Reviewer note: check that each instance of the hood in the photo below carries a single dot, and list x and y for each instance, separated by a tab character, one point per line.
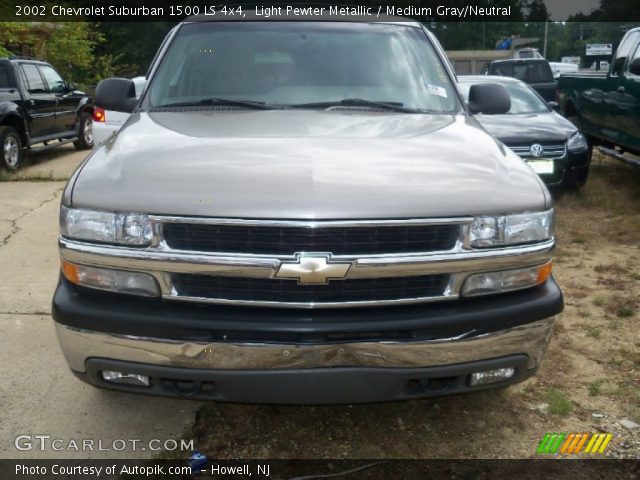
305	164
528	128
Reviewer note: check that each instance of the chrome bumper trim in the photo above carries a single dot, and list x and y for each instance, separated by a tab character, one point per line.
176	261
531	339
161	262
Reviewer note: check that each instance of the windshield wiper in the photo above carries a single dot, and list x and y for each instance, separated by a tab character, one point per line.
216	101
359	102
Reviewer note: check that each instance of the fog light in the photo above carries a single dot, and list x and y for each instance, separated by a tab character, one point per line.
126	378
113	280
492	376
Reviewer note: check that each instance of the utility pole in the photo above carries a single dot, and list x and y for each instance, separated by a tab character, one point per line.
546	35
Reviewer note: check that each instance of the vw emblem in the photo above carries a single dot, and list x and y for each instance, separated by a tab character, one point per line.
536	150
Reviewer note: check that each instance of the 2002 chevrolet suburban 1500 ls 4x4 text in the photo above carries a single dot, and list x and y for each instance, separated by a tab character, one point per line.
304	212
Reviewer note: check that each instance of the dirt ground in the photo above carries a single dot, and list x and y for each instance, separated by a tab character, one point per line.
589	381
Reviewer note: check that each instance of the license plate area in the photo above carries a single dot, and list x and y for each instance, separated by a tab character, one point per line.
541	166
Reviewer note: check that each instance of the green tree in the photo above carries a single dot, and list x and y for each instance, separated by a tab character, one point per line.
67	46
132	51
537	11
70	49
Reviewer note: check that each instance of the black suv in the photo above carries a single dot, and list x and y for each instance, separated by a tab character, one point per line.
38	106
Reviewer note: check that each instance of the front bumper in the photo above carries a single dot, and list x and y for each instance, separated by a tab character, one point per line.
305	374
572	167
258	356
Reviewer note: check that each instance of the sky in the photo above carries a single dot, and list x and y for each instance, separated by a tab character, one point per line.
561	9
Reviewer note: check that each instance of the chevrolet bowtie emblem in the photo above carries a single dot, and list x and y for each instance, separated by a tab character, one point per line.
313	269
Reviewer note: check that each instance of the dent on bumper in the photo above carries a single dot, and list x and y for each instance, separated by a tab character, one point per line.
80	345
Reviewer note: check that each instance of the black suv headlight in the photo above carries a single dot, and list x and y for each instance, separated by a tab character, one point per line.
577	143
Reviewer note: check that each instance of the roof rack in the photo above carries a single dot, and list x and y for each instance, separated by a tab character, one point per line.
21	57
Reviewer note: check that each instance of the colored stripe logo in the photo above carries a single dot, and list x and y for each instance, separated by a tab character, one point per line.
574	443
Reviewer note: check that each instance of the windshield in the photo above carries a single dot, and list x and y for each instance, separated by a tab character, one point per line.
297	63
523	98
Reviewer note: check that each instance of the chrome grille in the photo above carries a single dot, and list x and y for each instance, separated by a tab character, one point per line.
407	261
551	150
338	240
288	291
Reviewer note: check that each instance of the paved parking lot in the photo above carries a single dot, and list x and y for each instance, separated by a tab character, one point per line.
39	395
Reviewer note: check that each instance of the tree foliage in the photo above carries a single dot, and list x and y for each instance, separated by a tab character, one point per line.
85	52
67	46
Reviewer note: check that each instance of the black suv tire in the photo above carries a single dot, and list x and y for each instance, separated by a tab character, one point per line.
11	149
85	134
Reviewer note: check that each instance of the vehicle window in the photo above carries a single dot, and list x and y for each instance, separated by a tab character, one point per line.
523	98
5	76
520	71
35	84
288	63
509	70
54	81
529	72
624	49
540	72
636	55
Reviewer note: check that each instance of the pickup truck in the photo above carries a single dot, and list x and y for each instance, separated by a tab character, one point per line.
534	71
472	62
606	106
304	212
38	107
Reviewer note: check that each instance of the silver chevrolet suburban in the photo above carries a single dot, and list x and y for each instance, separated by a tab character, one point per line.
304	212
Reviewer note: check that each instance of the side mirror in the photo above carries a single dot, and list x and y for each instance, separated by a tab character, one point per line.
634	67
71	86
554	105
117	94
489	98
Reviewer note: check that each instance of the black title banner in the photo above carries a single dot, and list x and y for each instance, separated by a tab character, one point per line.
318	469
365	10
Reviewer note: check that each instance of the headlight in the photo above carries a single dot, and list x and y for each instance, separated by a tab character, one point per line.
503	230
97	226
577	143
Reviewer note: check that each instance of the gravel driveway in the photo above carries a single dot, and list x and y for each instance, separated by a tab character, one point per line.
39	394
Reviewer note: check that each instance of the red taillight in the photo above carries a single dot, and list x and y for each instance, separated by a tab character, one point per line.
98	115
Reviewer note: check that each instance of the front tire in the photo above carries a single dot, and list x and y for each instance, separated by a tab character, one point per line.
12	154
85	135
575	180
